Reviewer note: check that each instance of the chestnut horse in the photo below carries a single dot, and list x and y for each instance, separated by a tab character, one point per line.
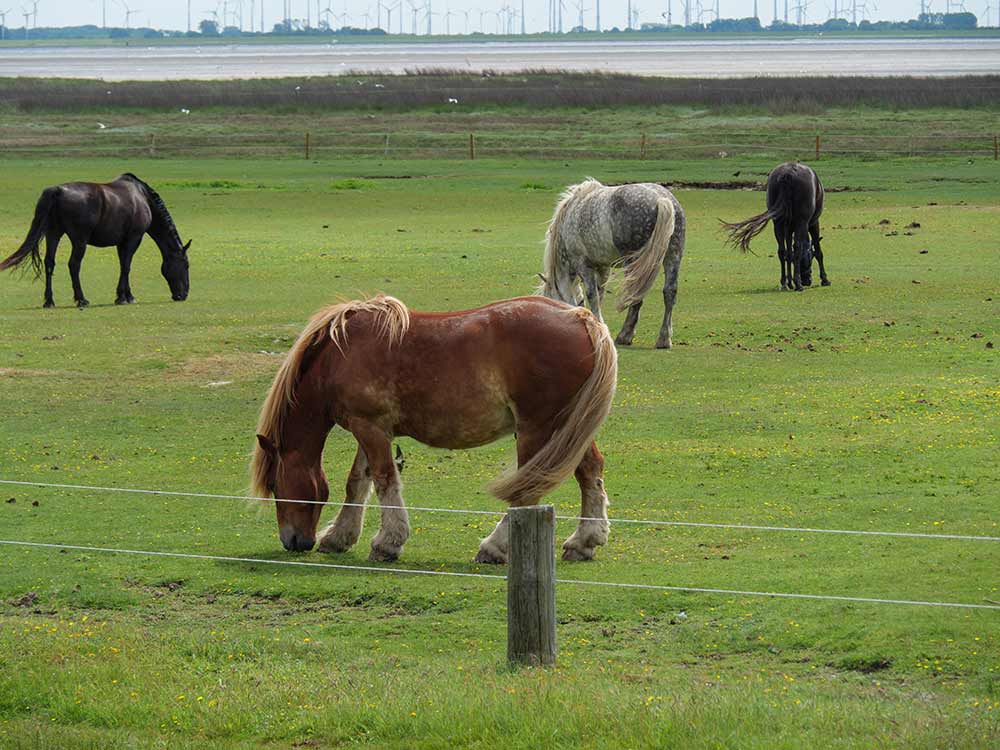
537	368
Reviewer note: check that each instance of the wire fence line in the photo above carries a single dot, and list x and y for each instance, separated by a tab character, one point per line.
497	513
412	144
496	577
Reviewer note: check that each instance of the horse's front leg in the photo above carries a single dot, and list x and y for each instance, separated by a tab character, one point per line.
592	530
818	253
345	530
593	284
126	251
394	529
75	261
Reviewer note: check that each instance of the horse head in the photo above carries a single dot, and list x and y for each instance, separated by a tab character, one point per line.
175	271
287	480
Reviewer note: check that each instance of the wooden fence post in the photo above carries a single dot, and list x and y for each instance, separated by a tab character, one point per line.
472	145
642	147
307	145
817	145
531	586
385	149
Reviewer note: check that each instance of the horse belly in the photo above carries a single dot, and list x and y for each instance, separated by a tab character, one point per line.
463	413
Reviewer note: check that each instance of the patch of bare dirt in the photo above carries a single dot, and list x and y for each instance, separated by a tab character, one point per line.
223	369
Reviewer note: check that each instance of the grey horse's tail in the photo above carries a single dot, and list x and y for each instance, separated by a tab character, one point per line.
39	225
641	268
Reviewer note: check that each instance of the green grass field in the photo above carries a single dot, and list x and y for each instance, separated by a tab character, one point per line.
871	404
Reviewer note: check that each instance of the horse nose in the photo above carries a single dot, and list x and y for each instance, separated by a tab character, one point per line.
293	541
180	297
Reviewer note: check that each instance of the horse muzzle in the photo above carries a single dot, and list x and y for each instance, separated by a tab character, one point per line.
180	297
293	541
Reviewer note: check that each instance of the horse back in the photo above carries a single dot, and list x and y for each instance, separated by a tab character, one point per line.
459	379
101	214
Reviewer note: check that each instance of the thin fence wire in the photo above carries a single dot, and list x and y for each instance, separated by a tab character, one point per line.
495	577
495	513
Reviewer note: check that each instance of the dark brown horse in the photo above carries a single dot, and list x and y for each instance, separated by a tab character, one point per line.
794	204
117	213
532	366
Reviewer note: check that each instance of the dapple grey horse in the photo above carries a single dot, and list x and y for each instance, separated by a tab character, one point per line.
595	227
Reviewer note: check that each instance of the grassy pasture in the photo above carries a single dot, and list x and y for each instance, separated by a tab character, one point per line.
871	404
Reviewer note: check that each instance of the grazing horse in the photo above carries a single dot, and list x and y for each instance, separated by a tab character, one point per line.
596	227
530	366
116	213
794	204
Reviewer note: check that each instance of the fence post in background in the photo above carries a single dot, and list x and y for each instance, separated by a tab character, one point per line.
996	147
817	145
531	586
385	147
472	145
642	147
307	145
152	145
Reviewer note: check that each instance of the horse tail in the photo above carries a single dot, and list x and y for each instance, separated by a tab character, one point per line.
584	415
641	268
741	232
39	225
391	321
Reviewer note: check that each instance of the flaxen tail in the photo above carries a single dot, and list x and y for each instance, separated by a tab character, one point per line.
560	456
39	225
641	268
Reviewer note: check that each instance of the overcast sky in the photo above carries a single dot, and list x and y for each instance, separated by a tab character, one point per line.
172	14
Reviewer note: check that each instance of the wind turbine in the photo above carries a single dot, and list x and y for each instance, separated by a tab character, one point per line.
448	13
415	11
579	13
3	23
986	13
634	15
27	17
34	13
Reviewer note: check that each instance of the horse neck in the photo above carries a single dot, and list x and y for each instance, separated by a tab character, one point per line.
306	424
164	239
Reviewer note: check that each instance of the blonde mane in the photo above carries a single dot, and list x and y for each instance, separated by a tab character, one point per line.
550	260
391	320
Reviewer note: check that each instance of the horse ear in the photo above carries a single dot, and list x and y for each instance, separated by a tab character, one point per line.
266	445
185	248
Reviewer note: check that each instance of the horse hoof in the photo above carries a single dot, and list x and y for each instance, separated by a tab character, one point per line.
490	557
82	303
825	282
623	341
381	554
664	345
572	554
49	303
121	301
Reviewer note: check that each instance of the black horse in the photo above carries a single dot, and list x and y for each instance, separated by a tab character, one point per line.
117	213
794	203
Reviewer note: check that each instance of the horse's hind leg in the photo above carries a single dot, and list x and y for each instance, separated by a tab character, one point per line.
345	530
671	272
493	549
627	333
817	253
51	245
592	531
394	528
75	260
779	235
